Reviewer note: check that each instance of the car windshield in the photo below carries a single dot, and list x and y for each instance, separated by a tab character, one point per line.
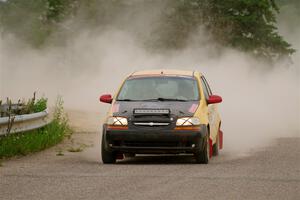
162	88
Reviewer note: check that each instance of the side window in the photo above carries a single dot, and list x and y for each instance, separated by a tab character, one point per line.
207	86
204	88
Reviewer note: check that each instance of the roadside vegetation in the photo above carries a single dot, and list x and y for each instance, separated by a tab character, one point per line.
36	140
23	107
246	25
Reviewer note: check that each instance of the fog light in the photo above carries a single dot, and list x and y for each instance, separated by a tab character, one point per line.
193	145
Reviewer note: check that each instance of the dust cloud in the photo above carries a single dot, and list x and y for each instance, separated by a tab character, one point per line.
259	103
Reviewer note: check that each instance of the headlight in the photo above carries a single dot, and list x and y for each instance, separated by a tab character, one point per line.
117	121
188	121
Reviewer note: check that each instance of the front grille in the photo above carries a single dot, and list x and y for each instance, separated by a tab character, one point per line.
150	124
151	121
151	118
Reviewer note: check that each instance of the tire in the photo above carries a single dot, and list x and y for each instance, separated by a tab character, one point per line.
203	155
216	146
107	156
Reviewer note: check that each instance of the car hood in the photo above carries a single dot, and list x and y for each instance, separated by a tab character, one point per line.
177	108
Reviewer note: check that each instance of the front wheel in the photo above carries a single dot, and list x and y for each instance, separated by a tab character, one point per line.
203	155
107	156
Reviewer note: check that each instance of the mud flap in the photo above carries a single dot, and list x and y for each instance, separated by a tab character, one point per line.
210	148
220	139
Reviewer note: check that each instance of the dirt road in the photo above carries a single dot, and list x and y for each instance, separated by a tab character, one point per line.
272	173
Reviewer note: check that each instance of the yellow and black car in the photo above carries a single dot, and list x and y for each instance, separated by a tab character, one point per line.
163	112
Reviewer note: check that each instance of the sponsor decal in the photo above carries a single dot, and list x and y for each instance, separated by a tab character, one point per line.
193	108
115	108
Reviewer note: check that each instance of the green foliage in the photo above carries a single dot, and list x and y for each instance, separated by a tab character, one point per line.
40	105
38	139
247	25
33	20
251	27
32	141
60	118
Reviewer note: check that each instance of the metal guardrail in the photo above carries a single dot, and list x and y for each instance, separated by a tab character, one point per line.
21	123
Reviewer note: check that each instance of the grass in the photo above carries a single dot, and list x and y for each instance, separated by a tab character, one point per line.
38	139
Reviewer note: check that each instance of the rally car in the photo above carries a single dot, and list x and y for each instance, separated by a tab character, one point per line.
162	112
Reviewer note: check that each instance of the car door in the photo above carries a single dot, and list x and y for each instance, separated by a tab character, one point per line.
212	114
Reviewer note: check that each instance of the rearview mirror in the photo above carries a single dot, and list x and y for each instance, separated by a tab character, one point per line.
214	99
106	98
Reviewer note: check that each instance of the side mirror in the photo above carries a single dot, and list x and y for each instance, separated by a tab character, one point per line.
214	99
106	98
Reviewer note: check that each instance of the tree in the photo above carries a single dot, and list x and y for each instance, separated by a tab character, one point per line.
33	20
248	25
251	27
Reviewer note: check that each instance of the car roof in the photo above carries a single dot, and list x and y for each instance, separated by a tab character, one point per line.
166	72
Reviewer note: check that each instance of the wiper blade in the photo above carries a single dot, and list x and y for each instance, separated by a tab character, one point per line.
164	99
125	100
155	99
170	99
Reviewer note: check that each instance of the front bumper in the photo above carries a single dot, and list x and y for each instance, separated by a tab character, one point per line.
154	141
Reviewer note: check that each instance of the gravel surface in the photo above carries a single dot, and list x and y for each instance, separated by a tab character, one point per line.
273	173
